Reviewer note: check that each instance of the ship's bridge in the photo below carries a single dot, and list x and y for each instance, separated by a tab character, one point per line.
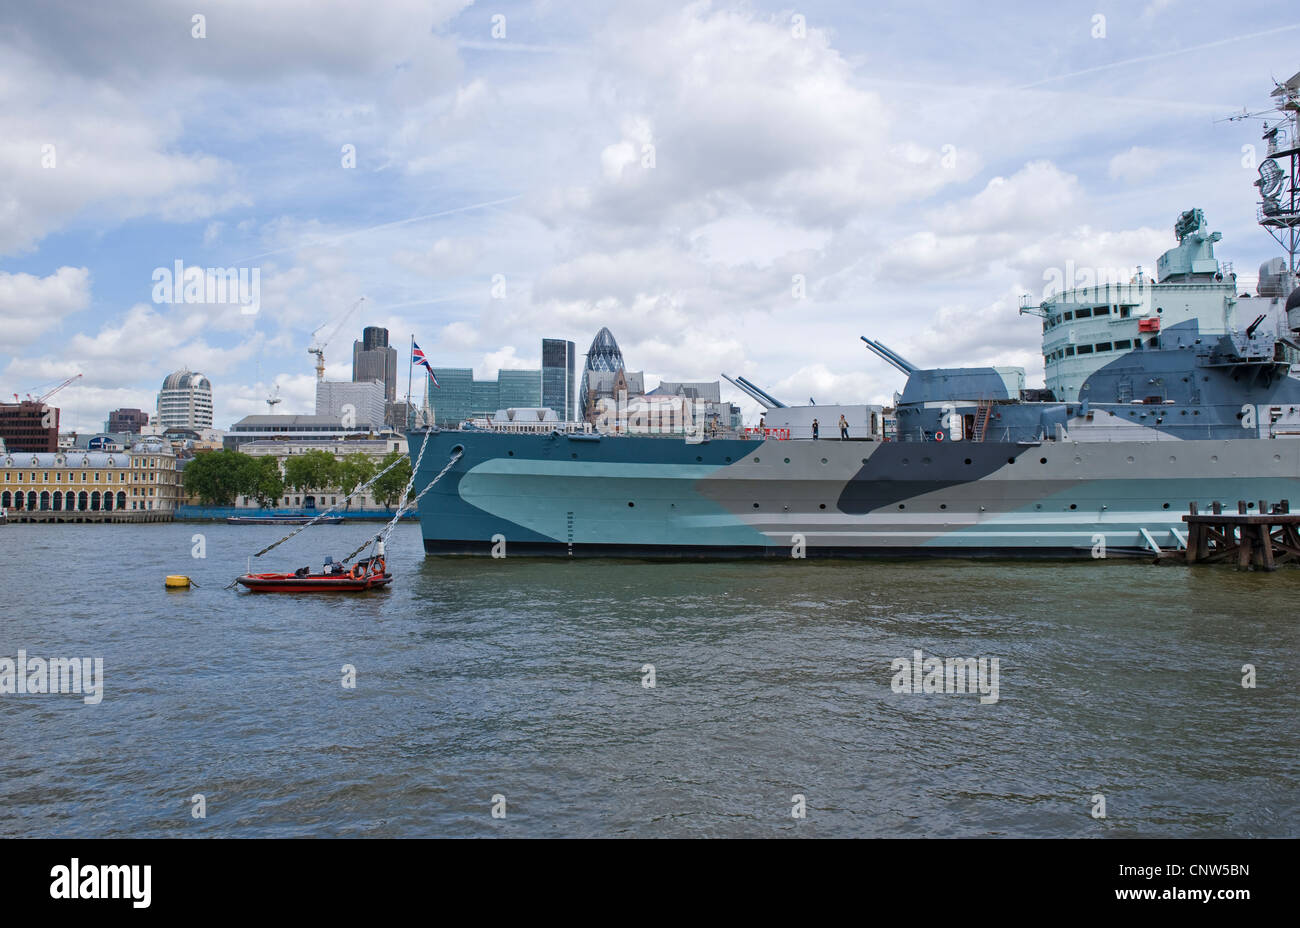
1088	326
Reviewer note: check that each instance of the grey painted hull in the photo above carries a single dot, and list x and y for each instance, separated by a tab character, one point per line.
660	497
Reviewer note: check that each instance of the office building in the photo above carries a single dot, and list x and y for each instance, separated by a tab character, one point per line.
126	420
363	401
185	401
373	359
29	426
558	391
459	397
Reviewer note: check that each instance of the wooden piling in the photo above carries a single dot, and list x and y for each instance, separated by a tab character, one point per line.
1261	540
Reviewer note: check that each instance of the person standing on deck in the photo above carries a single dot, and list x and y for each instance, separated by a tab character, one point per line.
844	428
814	427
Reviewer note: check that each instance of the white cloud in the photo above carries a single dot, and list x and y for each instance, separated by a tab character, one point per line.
31	306
743	115
1136	165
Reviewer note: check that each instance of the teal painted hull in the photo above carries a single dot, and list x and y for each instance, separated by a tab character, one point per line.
661	497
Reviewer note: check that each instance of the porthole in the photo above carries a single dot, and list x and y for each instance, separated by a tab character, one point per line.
727	459
1214	459
756	505
1011	460
901	506
822	506
1129	459
943	505
968	460
904	462
1172	459
1277	458
864	460
1165	506
510	453
755	460
1042	460
787	460
573	455
823	460
698	458
1074	506
631	505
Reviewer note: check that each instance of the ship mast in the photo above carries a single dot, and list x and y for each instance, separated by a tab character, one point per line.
1279	175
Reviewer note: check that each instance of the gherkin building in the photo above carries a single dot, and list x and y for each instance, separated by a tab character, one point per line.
603	355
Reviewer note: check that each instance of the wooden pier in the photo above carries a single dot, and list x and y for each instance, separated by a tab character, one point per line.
1261	539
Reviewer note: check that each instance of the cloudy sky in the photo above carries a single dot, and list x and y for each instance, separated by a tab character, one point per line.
729	187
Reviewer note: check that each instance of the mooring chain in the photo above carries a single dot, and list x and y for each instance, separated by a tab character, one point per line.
404	508
359	489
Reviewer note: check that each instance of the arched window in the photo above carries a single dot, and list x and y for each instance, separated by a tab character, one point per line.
31	499
94	501
5	500
108	501
121	499
45	500
83	500
57	503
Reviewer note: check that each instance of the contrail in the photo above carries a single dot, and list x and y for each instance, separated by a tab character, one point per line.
498	46
386	225
1180	51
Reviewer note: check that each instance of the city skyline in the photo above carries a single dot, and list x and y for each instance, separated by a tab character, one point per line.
750	196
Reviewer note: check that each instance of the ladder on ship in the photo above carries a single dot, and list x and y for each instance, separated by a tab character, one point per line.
982	415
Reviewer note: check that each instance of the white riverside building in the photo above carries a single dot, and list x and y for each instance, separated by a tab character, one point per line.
300	428
376	448
185	401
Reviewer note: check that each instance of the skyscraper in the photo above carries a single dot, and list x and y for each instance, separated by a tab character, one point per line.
603	355
372	359
557	377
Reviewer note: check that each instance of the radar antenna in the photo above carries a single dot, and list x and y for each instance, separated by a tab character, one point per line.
1279	172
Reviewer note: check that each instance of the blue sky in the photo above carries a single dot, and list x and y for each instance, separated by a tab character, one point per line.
668	171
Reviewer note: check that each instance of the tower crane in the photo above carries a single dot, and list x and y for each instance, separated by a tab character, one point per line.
49	393
318	345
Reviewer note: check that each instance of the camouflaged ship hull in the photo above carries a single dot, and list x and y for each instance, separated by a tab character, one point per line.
568	496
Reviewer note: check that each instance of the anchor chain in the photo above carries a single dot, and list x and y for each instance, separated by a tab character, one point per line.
405	507
344	502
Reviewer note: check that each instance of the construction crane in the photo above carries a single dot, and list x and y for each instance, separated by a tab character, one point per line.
318	345
48	393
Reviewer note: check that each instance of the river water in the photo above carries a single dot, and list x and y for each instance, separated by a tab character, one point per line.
524	680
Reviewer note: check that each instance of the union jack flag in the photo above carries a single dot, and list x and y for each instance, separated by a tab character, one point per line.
417	357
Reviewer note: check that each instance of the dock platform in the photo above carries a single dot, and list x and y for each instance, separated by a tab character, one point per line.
1262	539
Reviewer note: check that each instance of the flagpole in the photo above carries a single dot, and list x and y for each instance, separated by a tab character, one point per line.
410	366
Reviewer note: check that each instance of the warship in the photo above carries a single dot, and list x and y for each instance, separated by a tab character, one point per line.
1160	392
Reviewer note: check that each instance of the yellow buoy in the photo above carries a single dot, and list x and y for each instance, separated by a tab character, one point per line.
176	582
